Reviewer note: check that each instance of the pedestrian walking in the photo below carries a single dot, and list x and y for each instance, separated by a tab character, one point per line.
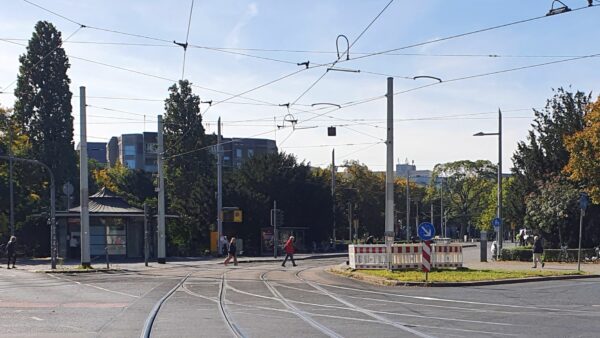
494	249
538	250
223	244
232	253
289	251
11	251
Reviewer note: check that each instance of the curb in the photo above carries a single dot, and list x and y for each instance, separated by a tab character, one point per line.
390	282
77	271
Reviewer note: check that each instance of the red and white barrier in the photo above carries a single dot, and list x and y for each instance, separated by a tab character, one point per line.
426	261
404	256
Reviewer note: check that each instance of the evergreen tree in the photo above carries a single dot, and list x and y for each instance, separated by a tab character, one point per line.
43	103
189	171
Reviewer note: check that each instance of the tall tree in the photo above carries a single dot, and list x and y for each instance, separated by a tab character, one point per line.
43	102
584	147
189	170
468	184
544	153
539	161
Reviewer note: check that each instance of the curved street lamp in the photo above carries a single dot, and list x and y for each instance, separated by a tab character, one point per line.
500	235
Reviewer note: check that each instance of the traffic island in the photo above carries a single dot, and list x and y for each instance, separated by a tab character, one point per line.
454	277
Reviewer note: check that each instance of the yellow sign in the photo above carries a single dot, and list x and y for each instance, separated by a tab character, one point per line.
237	216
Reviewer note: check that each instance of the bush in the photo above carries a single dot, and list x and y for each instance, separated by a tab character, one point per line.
520	253
524	254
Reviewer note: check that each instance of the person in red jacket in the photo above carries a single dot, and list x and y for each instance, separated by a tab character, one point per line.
289	251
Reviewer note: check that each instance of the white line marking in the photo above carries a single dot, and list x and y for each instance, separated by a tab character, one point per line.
455	301
301	314
367	312
94	286
36	318
371	320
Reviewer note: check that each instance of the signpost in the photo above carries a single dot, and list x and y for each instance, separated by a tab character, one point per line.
426	232
496	223
583	204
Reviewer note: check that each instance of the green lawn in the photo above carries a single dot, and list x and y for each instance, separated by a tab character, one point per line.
461	275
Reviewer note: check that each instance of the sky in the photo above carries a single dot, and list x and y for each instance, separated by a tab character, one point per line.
237	46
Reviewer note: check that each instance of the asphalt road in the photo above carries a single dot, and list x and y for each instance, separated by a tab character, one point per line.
266	300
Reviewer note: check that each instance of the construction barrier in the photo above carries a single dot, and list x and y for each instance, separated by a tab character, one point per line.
403	256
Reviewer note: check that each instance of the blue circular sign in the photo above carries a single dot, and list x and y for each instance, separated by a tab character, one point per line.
426	231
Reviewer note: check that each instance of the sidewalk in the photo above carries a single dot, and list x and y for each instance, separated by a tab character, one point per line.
472	260
43	264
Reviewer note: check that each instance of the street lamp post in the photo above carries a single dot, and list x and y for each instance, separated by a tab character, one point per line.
500	236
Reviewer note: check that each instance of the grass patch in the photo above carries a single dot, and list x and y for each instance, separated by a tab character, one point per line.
462	275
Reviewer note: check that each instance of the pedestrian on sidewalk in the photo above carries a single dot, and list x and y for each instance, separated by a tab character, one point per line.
232	253
494	249
11	252
538	250
289	251
223	245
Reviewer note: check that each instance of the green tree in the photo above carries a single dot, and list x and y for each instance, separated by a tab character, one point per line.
552	209
539	162
43	103
467	186
189	171
303	196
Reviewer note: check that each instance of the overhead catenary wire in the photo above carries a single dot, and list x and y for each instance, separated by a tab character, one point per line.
312	85
460	35
187	35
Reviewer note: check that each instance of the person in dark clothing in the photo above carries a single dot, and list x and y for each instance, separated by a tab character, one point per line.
538	250
11	251
370	240
232	253
289	251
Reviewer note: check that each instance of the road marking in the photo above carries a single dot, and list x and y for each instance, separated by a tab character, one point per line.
456	301
36	318
353	319
365	311
301	314
94	286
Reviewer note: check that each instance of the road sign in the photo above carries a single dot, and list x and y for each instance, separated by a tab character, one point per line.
237	216
496	223
426	231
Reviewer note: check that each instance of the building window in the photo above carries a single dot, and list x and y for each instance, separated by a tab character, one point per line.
129	150
250	153
130	164
152	148
238	153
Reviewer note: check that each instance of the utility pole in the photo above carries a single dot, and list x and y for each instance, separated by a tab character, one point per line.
10	177
83	183
389	172
431	213
275	239
333	172
219	188
407	203
501	228
161	252
442	229
350	221
146	246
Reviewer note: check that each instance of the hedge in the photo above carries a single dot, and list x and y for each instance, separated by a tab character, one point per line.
524	254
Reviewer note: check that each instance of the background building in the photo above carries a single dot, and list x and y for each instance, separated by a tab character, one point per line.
237	150
95	151
135	151
421	177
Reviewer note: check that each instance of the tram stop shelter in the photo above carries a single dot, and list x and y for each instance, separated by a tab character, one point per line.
114	225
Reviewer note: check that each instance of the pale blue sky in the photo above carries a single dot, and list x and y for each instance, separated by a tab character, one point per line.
313	26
